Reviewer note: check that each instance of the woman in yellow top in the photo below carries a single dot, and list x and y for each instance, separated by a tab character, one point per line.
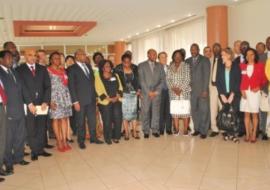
109	91
267	71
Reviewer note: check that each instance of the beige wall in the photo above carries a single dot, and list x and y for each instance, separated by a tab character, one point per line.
249	21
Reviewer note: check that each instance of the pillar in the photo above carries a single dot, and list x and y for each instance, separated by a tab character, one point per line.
119	49
217	25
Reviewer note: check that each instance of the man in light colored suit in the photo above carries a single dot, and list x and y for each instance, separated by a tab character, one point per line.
151	78
215	61
200	72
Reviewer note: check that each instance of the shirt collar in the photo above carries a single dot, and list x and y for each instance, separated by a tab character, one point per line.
31	65
4	68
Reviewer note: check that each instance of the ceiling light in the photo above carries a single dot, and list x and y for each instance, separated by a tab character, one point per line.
158	26
172	21
137	33
129	37
189	15
147	30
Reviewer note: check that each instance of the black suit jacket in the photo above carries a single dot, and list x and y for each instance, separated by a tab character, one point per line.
16	93
38	86
235	80
81	87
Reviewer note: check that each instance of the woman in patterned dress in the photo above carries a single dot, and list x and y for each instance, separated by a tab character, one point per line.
61	106
178	80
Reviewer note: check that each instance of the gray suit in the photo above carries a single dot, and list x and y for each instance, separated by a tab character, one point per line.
200	111
151	81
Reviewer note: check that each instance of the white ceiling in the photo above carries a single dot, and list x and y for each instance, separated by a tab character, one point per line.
116	19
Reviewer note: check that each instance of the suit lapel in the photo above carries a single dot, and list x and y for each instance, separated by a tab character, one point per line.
81	70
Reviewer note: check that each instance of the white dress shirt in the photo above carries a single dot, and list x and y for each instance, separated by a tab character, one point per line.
83	67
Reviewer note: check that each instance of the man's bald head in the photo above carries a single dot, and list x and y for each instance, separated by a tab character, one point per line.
30	56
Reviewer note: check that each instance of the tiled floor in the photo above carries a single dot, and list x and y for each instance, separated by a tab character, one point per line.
173	163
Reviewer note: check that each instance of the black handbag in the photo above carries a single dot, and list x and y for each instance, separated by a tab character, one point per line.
227	119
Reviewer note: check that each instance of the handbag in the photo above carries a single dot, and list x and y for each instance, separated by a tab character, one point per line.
264	102
227	119
180	107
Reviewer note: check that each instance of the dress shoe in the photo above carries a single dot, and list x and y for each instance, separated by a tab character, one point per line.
45	154
34	157
264	137
196	133
161	132
116	141
146	136
49	146
169	132
82	146
156	135
203	136
9	170
96	141
23	163
3	172
70	140
109	142
213	134
2	179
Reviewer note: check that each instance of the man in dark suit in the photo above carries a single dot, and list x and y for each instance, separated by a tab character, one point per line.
15	118
11	46
200	72
263	57
83	95
3	103
37	82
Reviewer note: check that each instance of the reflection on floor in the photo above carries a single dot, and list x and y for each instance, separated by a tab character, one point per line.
169	162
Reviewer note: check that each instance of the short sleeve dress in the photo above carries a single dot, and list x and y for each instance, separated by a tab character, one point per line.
60	94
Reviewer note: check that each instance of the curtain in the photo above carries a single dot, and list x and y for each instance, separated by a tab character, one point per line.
168	40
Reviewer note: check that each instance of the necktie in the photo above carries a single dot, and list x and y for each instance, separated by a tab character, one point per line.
214	71
33	70
194	60
152	64
85	70
3	94
11	75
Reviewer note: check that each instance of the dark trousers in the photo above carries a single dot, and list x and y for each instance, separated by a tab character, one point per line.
263	121
15	138
89	112
72	122
36	132
112	120
165	116
200	110
2	134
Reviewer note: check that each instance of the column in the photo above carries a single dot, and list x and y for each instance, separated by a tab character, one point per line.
217	25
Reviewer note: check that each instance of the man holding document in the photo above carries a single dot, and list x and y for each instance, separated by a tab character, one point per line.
37	83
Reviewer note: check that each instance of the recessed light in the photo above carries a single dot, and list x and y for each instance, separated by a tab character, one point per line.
189	15
172	21
147	30
129	37
137	33
158	26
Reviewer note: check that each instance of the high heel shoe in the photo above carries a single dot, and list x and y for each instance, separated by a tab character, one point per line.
61	149
67	147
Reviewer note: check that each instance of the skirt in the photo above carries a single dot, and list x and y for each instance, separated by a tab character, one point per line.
129	106
252	103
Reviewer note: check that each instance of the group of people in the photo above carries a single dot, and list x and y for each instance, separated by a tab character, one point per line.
70	95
